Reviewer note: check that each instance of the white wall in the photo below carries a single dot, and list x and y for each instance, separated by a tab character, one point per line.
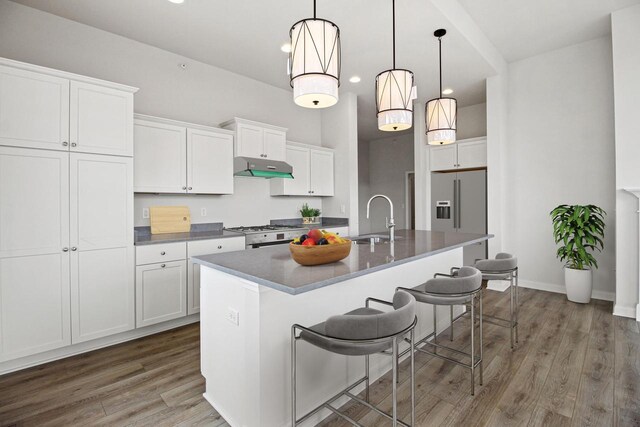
340	132
560	149
200	94
389	160
625	26
472	121
364	188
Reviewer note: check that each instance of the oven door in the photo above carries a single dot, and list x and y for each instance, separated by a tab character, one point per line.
266	244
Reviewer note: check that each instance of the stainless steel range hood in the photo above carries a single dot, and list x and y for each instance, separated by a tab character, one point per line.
261	168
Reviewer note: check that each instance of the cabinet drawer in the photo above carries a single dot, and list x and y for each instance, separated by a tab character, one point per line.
162	252
205	247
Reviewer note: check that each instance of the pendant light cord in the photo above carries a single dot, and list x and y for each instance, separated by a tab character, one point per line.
314	9
440	60
393	6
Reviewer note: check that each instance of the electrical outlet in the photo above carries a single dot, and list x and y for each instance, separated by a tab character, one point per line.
145	213
203	211
233	316
343	208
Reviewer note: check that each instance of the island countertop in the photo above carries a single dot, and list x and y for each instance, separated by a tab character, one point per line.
273	266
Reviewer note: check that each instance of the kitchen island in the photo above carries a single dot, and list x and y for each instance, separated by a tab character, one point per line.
250	299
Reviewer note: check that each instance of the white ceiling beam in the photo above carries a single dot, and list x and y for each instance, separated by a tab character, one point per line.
460	18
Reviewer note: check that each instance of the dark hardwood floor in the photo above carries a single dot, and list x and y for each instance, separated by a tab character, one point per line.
575	365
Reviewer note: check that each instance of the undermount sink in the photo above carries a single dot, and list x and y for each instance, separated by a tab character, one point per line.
370	239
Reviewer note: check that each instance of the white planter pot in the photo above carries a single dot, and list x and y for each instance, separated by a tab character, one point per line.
579	284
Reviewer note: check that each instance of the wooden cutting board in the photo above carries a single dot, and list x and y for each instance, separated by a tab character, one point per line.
170	219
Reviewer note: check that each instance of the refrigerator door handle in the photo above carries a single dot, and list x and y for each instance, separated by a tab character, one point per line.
458	207
455	203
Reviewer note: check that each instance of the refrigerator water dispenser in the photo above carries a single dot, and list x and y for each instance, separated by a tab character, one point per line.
443	209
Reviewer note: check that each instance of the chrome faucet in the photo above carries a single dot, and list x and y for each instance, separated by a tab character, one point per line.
389	220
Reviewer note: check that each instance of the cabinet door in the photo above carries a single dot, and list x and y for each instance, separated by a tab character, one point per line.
299	159
101	201
160	158
204	247
102	293
101	120
443	158
275	144
34	110
34	304
250	141
321	173
209	162
34	202
472	154
161	292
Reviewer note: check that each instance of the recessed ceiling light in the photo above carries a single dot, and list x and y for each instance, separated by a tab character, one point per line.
286	48
355	79
177	1
447	91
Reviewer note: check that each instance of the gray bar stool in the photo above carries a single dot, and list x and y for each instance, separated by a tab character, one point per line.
361	332
503	267
460	289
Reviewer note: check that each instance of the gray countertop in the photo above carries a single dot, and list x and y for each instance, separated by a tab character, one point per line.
143	235
273	266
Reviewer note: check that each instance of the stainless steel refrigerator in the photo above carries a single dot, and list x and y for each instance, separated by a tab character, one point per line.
459	204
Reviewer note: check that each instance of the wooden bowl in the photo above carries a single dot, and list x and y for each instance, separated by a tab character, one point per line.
320	254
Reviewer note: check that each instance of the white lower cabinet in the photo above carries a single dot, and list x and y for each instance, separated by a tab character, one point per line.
102	293
204	247
161	292
34	304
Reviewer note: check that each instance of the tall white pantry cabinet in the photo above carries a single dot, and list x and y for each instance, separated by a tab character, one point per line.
66	209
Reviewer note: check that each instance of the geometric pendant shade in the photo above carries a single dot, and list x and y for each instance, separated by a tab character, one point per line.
441	113
395	93
314	62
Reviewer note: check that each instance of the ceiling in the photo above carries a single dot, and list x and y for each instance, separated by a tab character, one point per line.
523	28
245	36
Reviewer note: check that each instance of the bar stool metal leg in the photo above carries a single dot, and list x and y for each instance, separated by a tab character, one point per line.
435	329
511	309
481	345
517	303
473	344
366	373
413	379
293	377
451	319
395	382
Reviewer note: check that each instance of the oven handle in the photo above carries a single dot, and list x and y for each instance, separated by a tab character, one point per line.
261	245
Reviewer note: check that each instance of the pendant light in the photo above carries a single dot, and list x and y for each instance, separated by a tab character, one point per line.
314	62
441	113
395	93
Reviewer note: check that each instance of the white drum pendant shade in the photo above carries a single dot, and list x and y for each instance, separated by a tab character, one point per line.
441	116
315	63
394	100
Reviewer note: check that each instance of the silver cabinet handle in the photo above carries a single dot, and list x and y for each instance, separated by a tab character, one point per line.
65	143
266	155
163	253
184	187
65	249
73	144
190	188
163	265
74	249
220	247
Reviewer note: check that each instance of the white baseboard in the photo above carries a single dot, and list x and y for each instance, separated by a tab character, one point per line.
560	289
72	350
623	311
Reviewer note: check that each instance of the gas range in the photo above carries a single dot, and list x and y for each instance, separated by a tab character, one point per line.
268	235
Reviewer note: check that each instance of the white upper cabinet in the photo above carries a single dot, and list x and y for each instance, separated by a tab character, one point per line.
34	109
209	162
465	154
321	173
312	172
101	120
55	110
160	157
177	157
258	140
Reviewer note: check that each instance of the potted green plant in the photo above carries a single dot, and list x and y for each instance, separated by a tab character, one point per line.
309	215
579	230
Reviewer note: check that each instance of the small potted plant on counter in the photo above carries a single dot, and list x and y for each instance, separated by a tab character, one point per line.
579	230
309	215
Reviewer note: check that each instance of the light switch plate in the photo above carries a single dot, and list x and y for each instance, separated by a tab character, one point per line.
233	316
203	211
